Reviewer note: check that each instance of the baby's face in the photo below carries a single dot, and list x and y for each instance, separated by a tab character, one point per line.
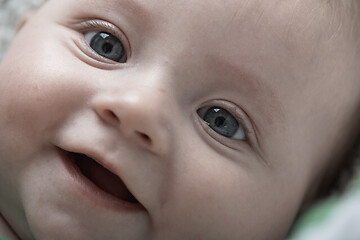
219	117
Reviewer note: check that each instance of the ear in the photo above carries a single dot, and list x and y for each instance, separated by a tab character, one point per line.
24	20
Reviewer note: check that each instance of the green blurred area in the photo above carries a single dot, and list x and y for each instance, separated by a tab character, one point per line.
321	212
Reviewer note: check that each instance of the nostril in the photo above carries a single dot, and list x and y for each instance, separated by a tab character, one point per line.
145	137
111	116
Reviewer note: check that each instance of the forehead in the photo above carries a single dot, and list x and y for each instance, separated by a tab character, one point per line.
293	15
284	27
255	29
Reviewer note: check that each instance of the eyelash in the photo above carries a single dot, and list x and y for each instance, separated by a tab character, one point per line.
101	25
238	114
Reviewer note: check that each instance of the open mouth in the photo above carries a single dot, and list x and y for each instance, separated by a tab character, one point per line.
101	177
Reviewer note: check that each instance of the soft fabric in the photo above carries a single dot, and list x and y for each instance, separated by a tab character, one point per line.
337	217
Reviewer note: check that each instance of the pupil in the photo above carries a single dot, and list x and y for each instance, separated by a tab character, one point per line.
107	48
219	121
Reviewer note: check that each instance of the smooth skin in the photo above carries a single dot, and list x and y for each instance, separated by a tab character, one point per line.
283	69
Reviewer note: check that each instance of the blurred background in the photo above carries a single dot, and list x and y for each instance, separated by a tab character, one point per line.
11	12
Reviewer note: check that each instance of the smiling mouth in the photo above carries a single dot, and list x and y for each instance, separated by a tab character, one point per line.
101	177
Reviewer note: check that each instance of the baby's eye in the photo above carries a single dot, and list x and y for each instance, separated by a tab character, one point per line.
222	122
107	46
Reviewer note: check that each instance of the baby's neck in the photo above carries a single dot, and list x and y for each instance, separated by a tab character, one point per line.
5	230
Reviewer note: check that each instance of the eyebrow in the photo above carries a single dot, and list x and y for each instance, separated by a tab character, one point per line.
267	103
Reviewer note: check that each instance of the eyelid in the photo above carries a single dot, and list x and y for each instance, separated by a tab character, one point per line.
203	110
239	115
101	25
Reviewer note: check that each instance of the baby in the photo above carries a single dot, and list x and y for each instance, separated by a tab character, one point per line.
173	120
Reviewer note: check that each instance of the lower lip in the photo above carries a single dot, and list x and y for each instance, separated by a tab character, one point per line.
93	192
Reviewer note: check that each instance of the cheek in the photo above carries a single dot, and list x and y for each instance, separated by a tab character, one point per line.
218	198
37	95
30	105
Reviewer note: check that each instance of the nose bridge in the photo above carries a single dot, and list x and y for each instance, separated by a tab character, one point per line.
139	111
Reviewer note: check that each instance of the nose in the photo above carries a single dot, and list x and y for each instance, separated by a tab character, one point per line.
139	115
